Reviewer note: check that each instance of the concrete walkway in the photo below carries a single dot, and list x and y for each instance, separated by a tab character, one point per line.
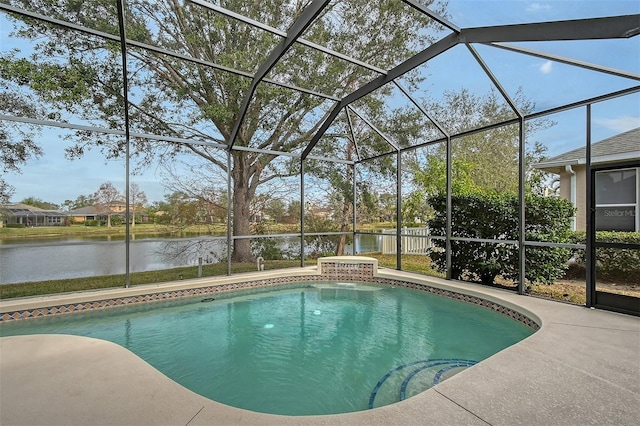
582	367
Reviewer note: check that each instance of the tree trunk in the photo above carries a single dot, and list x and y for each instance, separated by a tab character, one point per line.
241	226
343	228
345	205
341	243
243	193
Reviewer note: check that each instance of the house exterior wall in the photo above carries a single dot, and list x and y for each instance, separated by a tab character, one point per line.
565	186
581	197
79	218
581	194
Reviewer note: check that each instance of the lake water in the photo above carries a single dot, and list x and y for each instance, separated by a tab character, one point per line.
75	258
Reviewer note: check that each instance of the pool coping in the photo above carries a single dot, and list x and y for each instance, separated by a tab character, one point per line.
581	367
334	268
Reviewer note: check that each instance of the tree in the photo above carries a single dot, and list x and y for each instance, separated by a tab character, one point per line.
484	162
106	198
179	208
182	209
37	202
80	74
275	209
137	201
17	144
80	202
336	181
199	185
292	214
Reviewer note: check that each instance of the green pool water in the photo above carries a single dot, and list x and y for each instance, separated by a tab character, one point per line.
327	348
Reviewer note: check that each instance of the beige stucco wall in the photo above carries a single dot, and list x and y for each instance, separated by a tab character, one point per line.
581	197
581	193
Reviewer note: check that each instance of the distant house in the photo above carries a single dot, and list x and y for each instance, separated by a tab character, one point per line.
84	214
617	189
17	213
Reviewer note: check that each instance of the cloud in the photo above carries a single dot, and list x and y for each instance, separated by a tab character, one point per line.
536	7
546	67
620	124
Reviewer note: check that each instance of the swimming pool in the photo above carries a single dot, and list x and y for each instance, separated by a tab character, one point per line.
306	348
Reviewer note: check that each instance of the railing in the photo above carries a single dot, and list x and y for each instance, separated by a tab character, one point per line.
411	244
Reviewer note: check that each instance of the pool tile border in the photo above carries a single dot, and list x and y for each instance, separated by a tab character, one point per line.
339	272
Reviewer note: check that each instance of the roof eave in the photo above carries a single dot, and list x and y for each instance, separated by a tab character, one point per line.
555	166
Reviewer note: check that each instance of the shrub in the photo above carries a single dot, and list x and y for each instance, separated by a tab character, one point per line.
495	216
267	248
612	264
161	219
15	225
546	219
472	217
117	220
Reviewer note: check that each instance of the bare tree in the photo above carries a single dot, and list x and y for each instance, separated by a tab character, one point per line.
137	201
106	199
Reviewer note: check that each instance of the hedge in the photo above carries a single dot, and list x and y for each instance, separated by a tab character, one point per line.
612	264
495	216
15	225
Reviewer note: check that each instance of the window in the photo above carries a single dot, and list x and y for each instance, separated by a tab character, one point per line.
617	200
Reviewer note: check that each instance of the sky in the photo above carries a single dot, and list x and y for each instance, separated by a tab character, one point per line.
548	83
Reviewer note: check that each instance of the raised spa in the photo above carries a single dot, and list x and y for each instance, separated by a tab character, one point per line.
300	348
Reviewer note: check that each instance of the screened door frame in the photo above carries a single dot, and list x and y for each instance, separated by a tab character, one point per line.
599	299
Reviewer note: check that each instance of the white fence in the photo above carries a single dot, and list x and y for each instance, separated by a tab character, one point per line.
410	244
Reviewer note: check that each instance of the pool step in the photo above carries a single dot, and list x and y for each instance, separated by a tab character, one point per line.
432	372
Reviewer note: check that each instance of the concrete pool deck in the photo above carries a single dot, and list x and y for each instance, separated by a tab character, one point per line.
581	367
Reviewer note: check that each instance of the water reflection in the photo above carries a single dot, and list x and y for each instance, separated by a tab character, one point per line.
51	259
75	258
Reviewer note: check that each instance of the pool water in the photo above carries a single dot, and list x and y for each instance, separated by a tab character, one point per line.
321	349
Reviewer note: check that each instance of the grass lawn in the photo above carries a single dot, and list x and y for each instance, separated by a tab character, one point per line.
112	281
75	230
418	264
568	290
